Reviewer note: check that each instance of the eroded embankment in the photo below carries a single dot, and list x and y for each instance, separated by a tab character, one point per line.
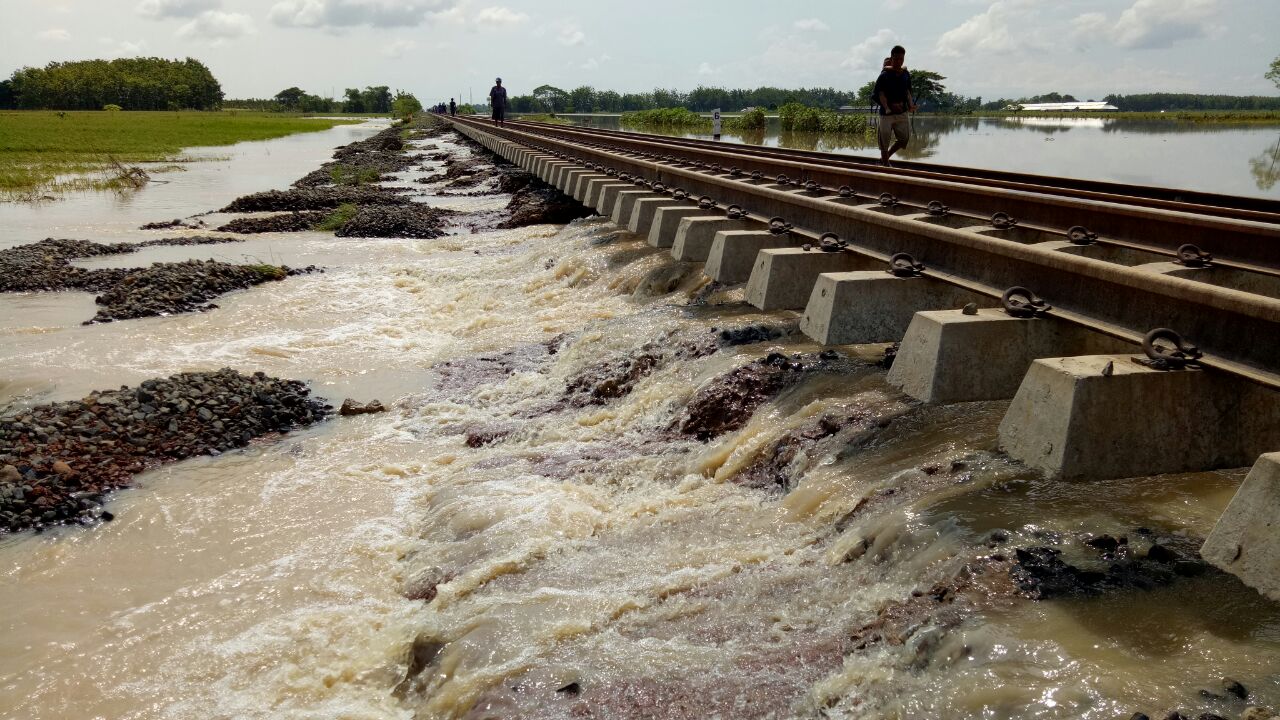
647	519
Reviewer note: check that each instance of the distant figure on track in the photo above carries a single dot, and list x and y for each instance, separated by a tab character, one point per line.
453	108
892	92
498	100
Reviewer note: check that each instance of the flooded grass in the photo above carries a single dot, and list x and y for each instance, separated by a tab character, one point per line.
47	152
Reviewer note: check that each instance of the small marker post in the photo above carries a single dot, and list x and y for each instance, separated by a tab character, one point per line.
715	124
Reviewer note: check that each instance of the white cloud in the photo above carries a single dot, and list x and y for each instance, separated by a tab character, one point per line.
595	62
811	25
707	69
160	9
870	53
59	34
217	26
570	34
1003	28
1150	24
892	5
350	13
397	48
123	47
500	17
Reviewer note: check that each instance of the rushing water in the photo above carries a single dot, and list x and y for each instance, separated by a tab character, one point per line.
590	545
1233	159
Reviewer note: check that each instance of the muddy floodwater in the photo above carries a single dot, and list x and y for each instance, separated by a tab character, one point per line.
602	489
1227	158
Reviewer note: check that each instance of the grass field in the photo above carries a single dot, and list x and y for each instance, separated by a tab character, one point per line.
44	152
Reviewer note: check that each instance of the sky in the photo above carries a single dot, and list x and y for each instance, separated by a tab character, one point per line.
438	49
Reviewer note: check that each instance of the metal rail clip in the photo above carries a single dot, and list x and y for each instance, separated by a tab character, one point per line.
1020	302
1003	221
1193	257
1081	235
1166	350
778	226
937	209
904	266
831	242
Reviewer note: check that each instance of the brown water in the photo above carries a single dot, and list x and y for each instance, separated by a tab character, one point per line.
590	545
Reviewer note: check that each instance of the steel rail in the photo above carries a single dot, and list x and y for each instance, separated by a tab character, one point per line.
1238	331
1248	244
1230	206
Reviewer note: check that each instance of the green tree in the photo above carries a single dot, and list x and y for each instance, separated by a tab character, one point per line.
1274	73
549	98
583	99
290	97
376	99
405	104
353	101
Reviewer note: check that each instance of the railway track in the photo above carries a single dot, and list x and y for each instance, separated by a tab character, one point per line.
1118	266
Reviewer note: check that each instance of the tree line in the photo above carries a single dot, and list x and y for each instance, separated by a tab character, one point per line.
130	83
927	87
377	99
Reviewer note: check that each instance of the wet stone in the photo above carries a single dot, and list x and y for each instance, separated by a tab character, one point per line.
55	490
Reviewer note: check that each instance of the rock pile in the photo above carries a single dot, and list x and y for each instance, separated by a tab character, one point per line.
314	198
290	222
410	221
382	153
60	460
167	288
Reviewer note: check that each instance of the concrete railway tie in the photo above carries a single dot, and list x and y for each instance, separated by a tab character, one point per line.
870	267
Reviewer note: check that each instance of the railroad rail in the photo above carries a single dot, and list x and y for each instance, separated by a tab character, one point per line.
1242	208
1112	258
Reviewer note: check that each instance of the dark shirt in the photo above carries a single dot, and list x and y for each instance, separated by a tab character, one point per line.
498	96
896	88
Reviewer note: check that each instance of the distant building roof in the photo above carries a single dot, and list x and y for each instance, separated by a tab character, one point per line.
1069	106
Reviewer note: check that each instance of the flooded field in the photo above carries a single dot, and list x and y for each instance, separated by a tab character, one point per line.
601	489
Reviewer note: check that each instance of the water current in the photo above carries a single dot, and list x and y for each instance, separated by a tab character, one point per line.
492	548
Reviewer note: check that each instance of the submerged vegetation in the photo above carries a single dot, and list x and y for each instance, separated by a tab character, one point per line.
337	218
40	149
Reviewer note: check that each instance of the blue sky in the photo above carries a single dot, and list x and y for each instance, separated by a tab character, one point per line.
439	48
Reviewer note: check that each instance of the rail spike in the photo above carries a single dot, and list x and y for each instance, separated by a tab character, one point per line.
904	266
1020	302
1166	350
1193	257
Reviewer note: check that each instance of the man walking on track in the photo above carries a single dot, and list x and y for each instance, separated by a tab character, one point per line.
498	100
892	92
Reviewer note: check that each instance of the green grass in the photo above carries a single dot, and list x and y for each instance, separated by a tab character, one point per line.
347	175
40	149
269	272
337	218
665	118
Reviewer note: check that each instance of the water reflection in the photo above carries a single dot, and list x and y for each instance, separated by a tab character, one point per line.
1266	167
1210	157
